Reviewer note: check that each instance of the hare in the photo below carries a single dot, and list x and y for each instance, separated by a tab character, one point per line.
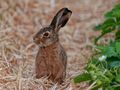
51	59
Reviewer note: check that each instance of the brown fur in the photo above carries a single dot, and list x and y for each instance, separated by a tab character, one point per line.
51	61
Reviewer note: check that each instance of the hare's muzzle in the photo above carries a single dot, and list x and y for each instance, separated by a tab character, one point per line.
36	40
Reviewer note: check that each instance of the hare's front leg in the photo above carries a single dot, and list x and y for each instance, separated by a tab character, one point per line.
41	69
60	75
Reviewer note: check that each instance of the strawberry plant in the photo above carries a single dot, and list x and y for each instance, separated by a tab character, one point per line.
111	23
103	69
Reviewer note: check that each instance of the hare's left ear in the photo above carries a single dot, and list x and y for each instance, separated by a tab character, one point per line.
61	18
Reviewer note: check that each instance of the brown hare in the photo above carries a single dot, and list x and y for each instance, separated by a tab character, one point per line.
51	59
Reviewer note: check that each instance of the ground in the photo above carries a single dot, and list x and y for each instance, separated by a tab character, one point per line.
21	19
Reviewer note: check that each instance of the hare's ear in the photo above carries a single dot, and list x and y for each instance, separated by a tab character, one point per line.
61	18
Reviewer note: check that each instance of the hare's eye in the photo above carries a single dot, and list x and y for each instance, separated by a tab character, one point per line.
46	34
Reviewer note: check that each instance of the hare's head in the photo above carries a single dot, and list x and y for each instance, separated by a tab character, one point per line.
48	35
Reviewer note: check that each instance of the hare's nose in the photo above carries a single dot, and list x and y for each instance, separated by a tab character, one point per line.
35	39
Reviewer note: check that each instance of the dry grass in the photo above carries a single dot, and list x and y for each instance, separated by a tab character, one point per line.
21	19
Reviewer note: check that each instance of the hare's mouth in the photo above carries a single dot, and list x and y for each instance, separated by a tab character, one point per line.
37	40
39	43
43	43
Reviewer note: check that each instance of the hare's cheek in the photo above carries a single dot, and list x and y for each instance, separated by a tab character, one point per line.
49	41
37	42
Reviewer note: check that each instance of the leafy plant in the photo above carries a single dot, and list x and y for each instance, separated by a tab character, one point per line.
111	23
103	70
83	77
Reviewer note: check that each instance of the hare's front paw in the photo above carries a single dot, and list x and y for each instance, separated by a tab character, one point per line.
41	74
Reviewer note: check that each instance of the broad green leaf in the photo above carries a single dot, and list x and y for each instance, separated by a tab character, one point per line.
113	58
104	32
115	64
82	77
110	88
108	23
98	27
108	51
117	47
117	35
109	14
117	6
115	12
117	78
107	30
105	73
97	87
117	21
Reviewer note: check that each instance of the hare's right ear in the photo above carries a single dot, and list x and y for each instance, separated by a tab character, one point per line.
61	18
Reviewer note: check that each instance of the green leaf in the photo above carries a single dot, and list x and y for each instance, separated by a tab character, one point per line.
104	32
117	21
82	77
117	47
108	51
98	27
117	35
117	6
117	78
106	24
105	74
115	12
110	88
115	64
111	23
109	15
97	87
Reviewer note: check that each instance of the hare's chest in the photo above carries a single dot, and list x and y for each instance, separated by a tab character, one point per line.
51	59
50	55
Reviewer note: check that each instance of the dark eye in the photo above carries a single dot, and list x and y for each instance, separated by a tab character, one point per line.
46	34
